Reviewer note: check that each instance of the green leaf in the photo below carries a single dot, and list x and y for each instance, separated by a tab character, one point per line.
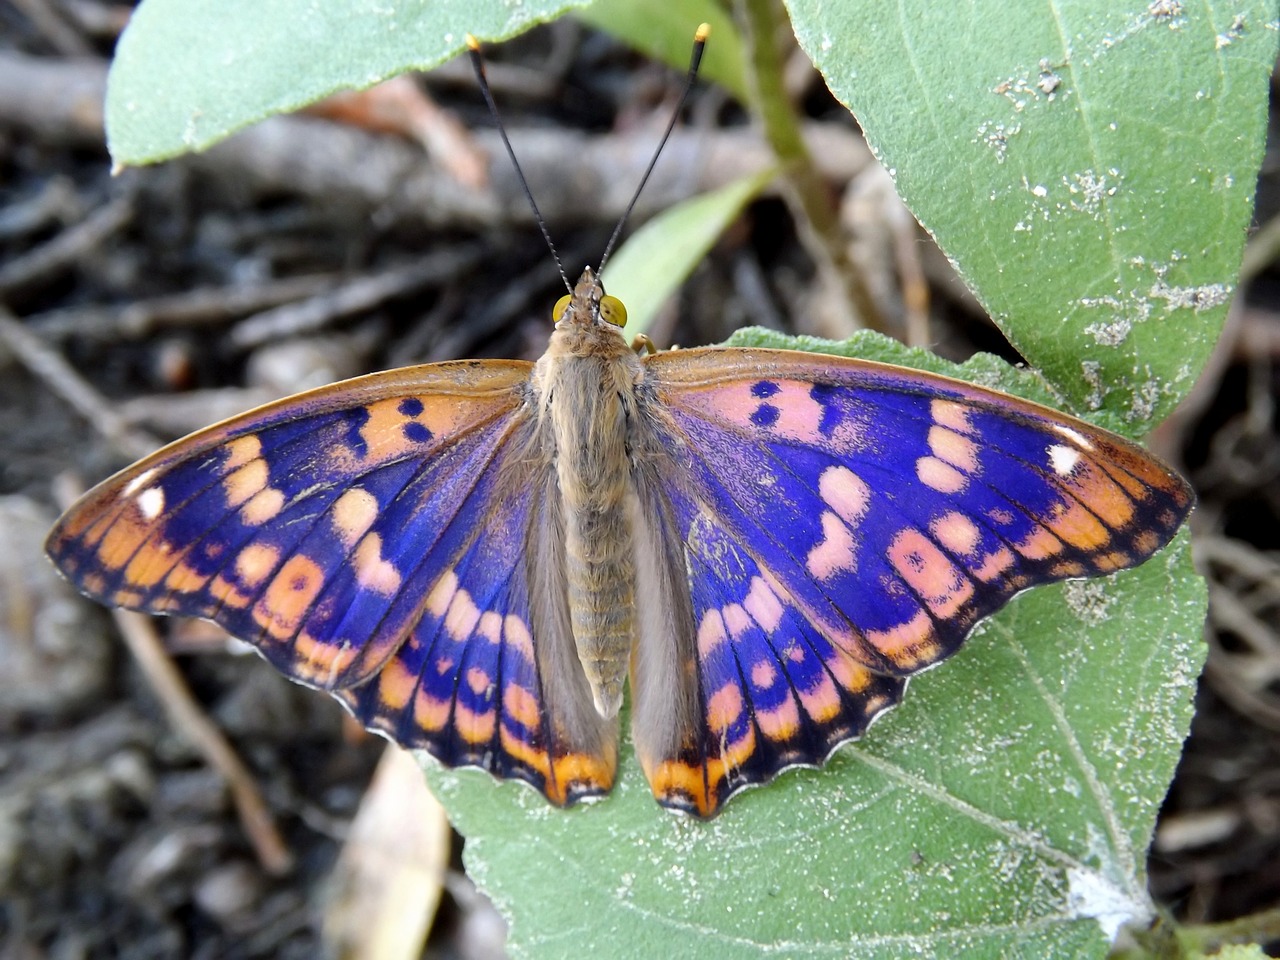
1088	165
188	73
1003	810
664	31
1233	951
658	257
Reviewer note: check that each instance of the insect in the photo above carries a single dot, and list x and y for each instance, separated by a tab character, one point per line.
476	557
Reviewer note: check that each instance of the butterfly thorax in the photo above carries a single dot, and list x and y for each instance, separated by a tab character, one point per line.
585	386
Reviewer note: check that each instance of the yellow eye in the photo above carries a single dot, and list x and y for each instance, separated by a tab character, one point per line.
612	311
557	314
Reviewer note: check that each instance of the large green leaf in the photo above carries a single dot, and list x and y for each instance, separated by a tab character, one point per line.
188	73
1088	165
1003	810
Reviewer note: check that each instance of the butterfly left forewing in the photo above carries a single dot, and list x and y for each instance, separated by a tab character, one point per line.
889	509
282	524
372	539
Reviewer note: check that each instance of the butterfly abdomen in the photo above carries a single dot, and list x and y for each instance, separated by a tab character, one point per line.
587	381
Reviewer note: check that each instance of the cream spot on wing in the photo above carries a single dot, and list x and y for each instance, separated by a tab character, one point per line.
724	708
781	722
255	562
441	594
262	506
835	552
242	450
243	482
763	605
952	448
396	685
929	572
900	642
1075	436
844	492
952	415
517	634
490	626
479	682
151	503
955	532
1064	459
1000	516
353	515
521	705
138	482
1039	544
799	415
943	477
763	674
430	713
711	633
737	620
373	572
1073	522
994	564
462	617
289	596
821	700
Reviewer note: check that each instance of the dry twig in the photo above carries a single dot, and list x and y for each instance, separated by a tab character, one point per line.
49	366
190	720
66	248
355	296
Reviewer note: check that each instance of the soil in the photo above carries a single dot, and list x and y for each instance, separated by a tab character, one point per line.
161	287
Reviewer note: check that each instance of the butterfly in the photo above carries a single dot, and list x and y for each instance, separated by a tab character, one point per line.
476	557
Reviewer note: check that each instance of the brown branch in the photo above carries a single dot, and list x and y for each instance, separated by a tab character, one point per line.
192	723
67	247
355	296
60	102
192	308
59	376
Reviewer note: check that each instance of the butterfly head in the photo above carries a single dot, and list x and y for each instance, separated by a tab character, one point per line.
589	305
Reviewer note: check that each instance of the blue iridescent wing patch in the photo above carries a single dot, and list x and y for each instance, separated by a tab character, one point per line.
770	689
863	518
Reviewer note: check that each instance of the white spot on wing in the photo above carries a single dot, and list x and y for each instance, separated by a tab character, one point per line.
1064	459
151	502
1075	436
138	482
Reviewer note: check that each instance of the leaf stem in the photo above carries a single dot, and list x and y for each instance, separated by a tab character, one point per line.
807	195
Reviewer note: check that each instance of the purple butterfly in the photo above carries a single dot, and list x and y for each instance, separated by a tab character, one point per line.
476	557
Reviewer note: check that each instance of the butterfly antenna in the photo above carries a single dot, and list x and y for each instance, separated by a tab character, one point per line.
473	49
699	42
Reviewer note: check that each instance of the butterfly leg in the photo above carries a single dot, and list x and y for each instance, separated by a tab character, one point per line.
641	343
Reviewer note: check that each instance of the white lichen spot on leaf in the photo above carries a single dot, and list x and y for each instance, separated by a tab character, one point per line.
995	135
1088	600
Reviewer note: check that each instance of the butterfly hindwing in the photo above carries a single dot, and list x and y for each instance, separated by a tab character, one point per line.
872	515
470	685
364	538
769	690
